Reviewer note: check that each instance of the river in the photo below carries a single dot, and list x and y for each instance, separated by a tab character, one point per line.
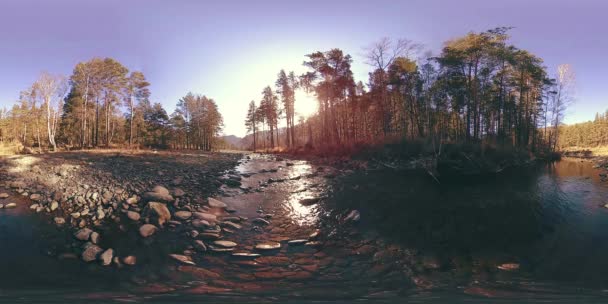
416	240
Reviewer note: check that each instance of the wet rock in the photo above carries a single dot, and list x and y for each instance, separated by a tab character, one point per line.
353	216
225	244
508	266
130	260
132	200
159	194
134	216
200	223
177	192
3	195
10	206
199	245
183	215
54	205
199	273
297	242
147	230
209	236
106	257
260	221
75	215
17	184
83	234
161	211
245	255
214	203
182	259
91	252
268	246
234	219
274	260
221	249
1	206
309	201
300	276
314	244
35	197
268	275
211	218
59	221
95	237
365	250
231	225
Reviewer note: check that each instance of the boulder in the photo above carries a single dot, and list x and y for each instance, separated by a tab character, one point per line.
91	252
159	194
83	234
161	212
183	215
205	216
147	230
106	257
213	203
129	260
134	216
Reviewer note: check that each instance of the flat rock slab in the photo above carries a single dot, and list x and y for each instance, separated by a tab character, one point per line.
214	203
225	244
268	246
182	259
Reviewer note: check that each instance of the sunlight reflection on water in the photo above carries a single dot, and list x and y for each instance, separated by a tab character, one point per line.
301	213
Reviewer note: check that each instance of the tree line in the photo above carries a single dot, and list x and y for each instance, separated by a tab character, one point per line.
479	89
103	104
587	134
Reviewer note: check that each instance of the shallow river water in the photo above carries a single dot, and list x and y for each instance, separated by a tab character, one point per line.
416	240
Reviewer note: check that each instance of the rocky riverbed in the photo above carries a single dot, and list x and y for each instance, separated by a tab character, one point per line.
203	223
129	227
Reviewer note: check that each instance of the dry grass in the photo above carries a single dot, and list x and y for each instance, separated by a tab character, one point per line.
586	151
10	148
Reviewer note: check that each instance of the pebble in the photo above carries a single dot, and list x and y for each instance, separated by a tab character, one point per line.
268	246
83	234
134	216
106	257
200	246
297	242
10	206
182	258
260	221
130	260
214	203
225	244
183	215
3	195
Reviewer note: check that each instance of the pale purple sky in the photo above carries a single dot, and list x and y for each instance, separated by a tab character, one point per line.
230	50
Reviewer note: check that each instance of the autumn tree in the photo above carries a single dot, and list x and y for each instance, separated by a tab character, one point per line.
251	122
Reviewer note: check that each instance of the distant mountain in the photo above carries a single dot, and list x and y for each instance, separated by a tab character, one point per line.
233	141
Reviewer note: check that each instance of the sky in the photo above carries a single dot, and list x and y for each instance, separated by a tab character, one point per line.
231	50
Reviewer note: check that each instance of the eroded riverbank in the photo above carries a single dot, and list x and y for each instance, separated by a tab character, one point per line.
341	235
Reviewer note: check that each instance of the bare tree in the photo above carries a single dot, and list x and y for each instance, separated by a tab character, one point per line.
563	97
383	52
51	89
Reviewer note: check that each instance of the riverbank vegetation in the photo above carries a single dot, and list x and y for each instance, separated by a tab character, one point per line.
103	104
480	90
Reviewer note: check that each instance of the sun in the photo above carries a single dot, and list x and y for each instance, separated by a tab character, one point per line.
306	104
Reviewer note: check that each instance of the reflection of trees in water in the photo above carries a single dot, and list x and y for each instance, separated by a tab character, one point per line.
496	213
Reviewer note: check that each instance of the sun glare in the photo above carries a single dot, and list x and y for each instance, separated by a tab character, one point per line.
306	104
